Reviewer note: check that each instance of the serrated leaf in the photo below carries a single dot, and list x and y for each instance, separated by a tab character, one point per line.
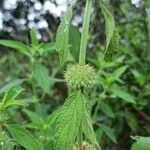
11	84
62	36
142	143
111	33
131	120
117	73
41	110
99	134
74	41
47	47
22	136
34	117
112	47
69	121
33	36
88	129
109	132
118	91
106	109
21	47
41	74
52	117
140	78
11	94
15	102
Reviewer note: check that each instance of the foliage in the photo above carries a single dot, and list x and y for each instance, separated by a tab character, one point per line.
114	64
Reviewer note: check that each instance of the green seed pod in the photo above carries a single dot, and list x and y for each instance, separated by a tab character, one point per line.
80	76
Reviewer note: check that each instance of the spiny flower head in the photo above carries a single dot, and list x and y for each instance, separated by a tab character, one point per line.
80	76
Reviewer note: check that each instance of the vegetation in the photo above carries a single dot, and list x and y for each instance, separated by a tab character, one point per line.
94	96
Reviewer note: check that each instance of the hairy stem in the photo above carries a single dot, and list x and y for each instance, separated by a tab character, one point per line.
80	138
85	30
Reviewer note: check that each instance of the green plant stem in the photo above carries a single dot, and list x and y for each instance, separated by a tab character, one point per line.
148	22
85	30
80	138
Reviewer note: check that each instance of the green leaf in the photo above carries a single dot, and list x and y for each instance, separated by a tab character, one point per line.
21	47
62	36
140	78
41	74
15	102
34	117
109	132
117	73
12	93
118	91
69	121
11	84
33	36
52	117
41	110
131	120
22	136
112	47
85	32
106	109
111	33
142	143
99	134
74	41
47	47
88	129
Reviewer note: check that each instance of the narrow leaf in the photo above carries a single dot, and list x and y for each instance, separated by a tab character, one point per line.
69	121
41	75
62	36
11	84
34	117
47	47
74	41
11	94
118	91
21	47
131	120
52	117
33	36
22	136
15	102
117	73
106	109
109	132
111	33
88	129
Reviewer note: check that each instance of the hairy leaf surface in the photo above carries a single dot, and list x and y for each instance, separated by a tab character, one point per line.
111	33
88	129
47	47
11	84
21	47
62	36
118	91
15	102
41	75
22	136
109	132
33	36
69	121
11	94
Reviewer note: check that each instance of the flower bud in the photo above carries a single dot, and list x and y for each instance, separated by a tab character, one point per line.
80	76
